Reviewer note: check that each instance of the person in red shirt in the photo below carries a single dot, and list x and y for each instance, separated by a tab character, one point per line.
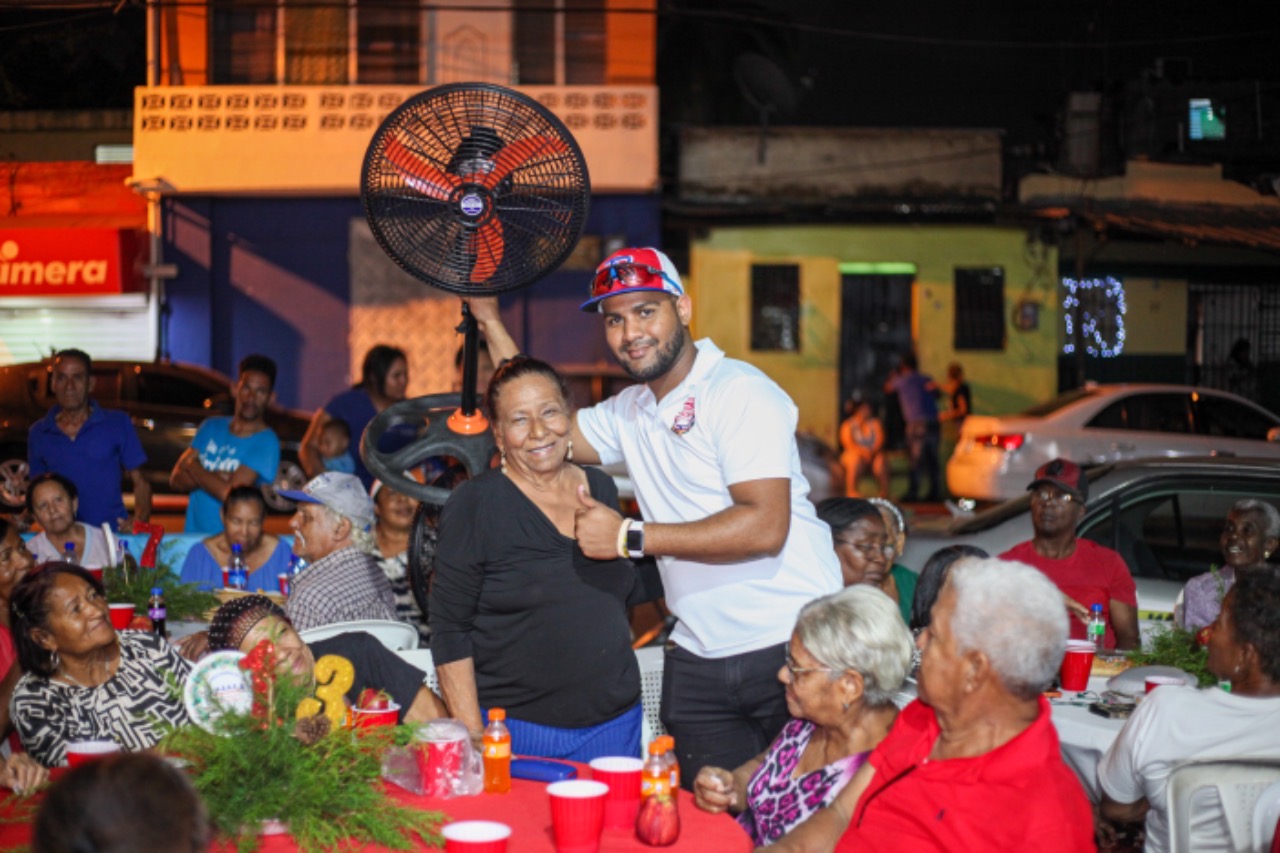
1087	573
975	764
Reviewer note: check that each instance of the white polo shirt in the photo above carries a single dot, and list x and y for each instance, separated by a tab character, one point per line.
727	423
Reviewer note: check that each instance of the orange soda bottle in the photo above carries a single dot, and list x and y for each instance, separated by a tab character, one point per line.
497	754
655	776
669	759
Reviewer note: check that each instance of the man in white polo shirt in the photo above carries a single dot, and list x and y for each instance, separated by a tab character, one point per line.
710	445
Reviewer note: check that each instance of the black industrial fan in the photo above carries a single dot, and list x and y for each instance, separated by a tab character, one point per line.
475	189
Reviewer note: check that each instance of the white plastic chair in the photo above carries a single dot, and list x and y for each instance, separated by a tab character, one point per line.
394	635
1266	816
650	659
1240	784
421	658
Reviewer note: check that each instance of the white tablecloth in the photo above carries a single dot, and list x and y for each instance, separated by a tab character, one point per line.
1085	737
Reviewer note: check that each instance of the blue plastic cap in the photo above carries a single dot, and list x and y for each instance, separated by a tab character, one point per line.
157	590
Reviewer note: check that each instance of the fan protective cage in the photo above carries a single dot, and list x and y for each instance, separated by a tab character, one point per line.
475	188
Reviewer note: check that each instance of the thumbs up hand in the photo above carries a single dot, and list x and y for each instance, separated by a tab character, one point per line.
596	527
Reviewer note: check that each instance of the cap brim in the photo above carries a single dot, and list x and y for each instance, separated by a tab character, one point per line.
1076	493
596	300
299	497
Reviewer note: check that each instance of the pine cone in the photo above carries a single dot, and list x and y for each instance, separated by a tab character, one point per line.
311	729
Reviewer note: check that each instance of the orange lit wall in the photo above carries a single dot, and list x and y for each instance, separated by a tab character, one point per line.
188	28
632	43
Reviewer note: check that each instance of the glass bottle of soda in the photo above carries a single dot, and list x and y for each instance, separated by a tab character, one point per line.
497	753
157	612
238	577
69	554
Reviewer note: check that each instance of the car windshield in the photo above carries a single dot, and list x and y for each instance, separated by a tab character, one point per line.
1001	512
1061	401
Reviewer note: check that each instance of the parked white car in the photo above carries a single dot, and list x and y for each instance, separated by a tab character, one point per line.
996	457
1163	516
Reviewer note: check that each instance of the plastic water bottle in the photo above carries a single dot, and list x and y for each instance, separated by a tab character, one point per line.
238	577
157	612
69	553
296	564
497	754
1097	628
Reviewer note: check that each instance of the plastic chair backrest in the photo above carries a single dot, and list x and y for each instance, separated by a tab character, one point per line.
394	635
1239	782
1266	818
421	658
650	659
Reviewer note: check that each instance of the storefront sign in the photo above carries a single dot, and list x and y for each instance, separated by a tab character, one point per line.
70	261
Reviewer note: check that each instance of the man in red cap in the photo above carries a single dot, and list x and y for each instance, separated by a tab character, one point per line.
1087	573
709	442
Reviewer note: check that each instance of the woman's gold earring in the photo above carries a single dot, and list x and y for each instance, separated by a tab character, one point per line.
568	457
502	460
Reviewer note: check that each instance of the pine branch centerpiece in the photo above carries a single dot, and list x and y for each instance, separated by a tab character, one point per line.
322	782
1176	647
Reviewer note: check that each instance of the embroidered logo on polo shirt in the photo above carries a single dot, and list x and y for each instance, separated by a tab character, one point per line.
685	419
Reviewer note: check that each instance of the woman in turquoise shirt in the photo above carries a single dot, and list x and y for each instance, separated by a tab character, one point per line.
265	556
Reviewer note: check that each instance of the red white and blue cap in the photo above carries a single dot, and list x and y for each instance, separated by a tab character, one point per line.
630	271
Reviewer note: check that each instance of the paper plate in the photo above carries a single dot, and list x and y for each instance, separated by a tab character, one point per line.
1133	682
217	684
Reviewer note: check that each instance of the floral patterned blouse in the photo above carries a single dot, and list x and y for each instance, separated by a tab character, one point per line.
776	800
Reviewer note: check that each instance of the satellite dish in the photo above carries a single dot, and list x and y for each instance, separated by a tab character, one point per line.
767	88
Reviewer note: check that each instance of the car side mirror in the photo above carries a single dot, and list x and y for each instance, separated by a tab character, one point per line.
1273	434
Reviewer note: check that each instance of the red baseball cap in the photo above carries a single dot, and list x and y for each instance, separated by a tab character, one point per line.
1064	474
632	270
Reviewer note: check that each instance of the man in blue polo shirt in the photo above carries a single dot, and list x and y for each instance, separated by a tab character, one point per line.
89	445
230	452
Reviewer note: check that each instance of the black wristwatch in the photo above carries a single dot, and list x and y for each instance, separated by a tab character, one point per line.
635	539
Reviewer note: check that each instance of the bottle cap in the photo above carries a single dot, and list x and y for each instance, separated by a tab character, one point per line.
235	547
497	715
156	590
1097	608
668	743
655	748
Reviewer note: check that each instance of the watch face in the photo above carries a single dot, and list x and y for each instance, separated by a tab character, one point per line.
635	540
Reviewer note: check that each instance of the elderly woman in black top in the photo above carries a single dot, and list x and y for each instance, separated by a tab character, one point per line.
520	618
84	681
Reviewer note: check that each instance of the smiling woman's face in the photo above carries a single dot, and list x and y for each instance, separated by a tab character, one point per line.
1244	540
79	619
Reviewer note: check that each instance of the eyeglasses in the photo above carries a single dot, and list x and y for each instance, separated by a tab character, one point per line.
870	550
626	276
1045	496
799	670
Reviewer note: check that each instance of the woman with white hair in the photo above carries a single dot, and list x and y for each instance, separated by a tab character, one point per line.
1249	536
849	653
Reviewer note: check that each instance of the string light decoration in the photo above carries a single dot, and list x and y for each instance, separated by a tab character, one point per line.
1102	310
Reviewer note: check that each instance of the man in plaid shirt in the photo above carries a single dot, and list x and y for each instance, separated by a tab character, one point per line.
333	531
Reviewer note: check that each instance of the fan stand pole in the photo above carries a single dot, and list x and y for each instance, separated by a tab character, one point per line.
468	420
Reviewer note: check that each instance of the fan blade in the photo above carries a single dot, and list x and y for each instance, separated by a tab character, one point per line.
518	154
420	174
486	244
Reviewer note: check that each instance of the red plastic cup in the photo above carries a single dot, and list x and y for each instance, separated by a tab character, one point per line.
226	578
1154	681
97	573
369	718
283	581
121	615
622	803
577	814
83	751
440	761
1076	664
476	836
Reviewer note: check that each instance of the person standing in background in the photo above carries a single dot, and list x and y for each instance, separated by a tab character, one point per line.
915	393
961	396
384	381
89	446
228	452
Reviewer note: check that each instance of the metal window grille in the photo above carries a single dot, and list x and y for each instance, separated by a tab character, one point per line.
979	308
775	307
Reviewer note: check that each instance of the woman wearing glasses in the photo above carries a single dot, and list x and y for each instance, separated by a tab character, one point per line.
861	542
849	654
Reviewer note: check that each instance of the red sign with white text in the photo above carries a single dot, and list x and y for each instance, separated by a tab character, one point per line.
70	261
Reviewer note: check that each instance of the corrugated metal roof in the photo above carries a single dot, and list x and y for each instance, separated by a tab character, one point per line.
1191	224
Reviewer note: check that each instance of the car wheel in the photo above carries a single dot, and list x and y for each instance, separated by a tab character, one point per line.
289	476
13	483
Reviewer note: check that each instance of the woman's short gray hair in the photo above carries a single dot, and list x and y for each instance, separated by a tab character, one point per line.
859	628
1268	510
1014	615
